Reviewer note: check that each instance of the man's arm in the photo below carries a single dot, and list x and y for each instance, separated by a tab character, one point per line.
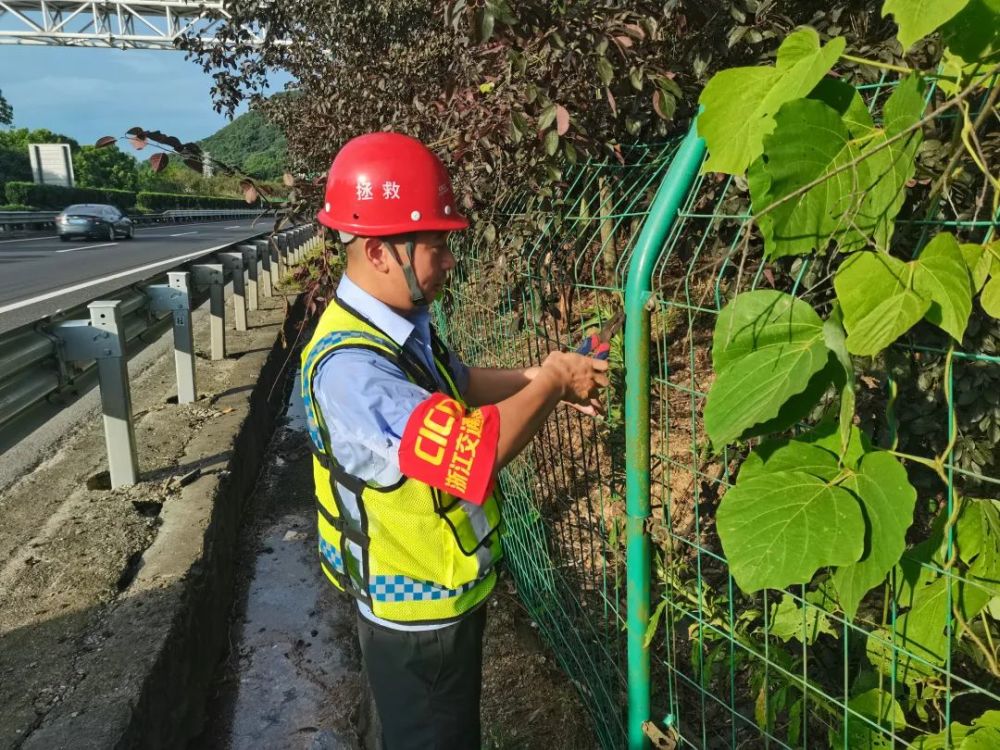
489	385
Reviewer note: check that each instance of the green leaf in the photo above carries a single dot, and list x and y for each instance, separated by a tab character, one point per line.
794	158
800	406
836	342
853	207
739	103
942	275
887	501
551	142
780	528
985	739
486	26
547	117
768	344
654	623
790	455
891	167
788	620
635	77
847	102
957	732
918	18
990	298
921	634
878	307
979	262
827	435
604	71
974	33
880	707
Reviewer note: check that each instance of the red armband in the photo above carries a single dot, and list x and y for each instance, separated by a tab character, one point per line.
448	448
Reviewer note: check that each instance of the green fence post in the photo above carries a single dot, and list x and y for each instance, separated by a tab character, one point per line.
638	292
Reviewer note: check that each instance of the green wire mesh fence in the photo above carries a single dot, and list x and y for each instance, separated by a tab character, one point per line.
786	669
917	665
542	273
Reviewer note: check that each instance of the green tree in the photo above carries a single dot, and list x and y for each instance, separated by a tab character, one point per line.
6	111
105	168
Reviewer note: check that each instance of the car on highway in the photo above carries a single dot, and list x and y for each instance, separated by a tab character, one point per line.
93	220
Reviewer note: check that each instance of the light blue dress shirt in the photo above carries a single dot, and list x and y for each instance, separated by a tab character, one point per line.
366	400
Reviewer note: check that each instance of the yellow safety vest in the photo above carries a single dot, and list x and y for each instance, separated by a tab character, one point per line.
411	552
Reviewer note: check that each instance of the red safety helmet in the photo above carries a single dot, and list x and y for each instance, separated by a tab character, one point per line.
383	184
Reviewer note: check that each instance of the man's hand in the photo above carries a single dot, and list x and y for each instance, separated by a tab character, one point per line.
593	409
582	378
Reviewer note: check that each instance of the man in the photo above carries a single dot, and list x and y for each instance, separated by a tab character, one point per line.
408	443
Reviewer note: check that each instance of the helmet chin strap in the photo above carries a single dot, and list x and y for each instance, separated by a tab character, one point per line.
416	294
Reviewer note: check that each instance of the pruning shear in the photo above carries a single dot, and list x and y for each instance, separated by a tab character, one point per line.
598	345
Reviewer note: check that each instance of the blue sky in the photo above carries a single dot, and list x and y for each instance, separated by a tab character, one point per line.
88	93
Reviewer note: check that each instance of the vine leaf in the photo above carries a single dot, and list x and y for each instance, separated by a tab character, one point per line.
827	435
878	707
920	636
779	528
887	500
877	303
766	348
793	159
739	103
788	621
956	734
918	18
836	342
980	261
790	455
854	206
942	275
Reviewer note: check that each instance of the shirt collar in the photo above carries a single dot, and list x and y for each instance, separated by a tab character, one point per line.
398	328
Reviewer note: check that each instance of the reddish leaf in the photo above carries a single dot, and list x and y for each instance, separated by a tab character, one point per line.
562	119
611	101
288	178
107	140
664	104
635	30
138	142
158	162
250	194
194	164
166	140
623	41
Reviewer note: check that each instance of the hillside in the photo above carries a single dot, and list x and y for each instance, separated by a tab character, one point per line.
250	143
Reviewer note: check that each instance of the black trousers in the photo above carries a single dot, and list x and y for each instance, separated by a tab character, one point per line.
426	685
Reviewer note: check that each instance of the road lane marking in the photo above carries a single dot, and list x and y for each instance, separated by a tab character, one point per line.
235	226
176	260
30	239
84	247
181	234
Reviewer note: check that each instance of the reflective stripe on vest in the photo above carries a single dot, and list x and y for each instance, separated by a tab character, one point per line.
434	556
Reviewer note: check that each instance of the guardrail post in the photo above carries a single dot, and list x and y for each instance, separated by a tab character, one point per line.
251	261
175	297
277	259
233	262
264	254
102	338
212	275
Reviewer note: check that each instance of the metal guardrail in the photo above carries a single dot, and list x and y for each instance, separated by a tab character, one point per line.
24	219
42	361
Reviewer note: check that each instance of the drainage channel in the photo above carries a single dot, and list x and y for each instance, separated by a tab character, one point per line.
292	679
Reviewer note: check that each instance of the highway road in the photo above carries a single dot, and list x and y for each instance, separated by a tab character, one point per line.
40	276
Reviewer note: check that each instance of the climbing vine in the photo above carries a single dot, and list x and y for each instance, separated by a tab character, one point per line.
832	177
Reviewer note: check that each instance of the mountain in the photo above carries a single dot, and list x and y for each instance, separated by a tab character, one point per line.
250	143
